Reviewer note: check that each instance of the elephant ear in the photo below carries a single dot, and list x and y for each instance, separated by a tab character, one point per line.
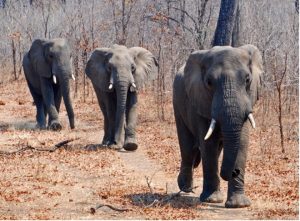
37	57
256	68
96	68
194	75
146	66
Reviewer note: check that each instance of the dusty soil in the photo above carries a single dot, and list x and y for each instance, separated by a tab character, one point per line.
67	183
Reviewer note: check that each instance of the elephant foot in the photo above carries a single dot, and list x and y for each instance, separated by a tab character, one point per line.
106	142
237	201
40	126
185	180
55	126
211	196
115	147
130	144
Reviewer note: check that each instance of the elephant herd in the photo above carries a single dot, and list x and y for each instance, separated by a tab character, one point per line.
213	97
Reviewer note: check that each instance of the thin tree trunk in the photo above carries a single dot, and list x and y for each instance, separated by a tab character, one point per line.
13	47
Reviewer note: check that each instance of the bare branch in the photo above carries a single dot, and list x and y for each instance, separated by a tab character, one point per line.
93	209
56	147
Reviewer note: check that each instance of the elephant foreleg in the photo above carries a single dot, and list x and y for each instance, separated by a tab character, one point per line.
57	97
190	155
40	115
236	197
48	98
131	119
211	150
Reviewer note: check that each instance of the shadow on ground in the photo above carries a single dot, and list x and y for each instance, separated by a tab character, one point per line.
21	125
175	200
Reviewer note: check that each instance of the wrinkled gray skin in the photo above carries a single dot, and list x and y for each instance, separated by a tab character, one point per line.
117	73
45	59
222	83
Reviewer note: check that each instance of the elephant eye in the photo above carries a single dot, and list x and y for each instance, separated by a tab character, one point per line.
208	83
108	68
132	68
248	79
50	56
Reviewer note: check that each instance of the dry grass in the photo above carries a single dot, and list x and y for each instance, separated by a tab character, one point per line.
65	184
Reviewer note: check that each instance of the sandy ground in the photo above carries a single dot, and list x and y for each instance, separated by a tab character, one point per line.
67	183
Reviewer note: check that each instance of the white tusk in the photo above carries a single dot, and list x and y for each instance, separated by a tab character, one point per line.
73	77
133	85
110	86
252	121
54	79
210	129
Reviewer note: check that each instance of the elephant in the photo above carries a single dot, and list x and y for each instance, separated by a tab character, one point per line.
214	93
117	73
47	68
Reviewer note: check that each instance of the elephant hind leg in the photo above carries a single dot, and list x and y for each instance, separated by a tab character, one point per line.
188	151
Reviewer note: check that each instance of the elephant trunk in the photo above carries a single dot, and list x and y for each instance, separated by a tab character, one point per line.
65	90
229	111
231	142
121	91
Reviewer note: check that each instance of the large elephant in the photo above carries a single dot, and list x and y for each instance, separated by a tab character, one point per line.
117	73
213	96
47	69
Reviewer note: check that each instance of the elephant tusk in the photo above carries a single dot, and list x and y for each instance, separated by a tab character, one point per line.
110	86
73	77
210	129
54	79
133	85
252	121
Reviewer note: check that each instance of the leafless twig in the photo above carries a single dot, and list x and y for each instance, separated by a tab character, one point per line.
56	146
93	209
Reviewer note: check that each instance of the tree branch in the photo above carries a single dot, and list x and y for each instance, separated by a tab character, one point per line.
56	146
93	209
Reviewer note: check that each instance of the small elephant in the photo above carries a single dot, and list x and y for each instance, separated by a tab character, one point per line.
117	73
213	96
47	68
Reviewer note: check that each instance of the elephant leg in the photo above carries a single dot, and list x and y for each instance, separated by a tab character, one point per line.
57	97
57	100
38	100
105	140
236	197
111	117
190	155
210	151
103	101
48	97
131	118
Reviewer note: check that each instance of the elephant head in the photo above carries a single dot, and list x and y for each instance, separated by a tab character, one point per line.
223	85
121	70
51	59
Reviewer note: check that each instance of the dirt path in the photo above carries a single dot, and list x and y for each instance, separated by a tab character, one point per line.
65	184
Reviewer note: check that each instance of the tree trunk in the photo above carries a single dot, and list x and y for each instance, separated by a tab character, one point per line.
14	58
236	28
223	33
